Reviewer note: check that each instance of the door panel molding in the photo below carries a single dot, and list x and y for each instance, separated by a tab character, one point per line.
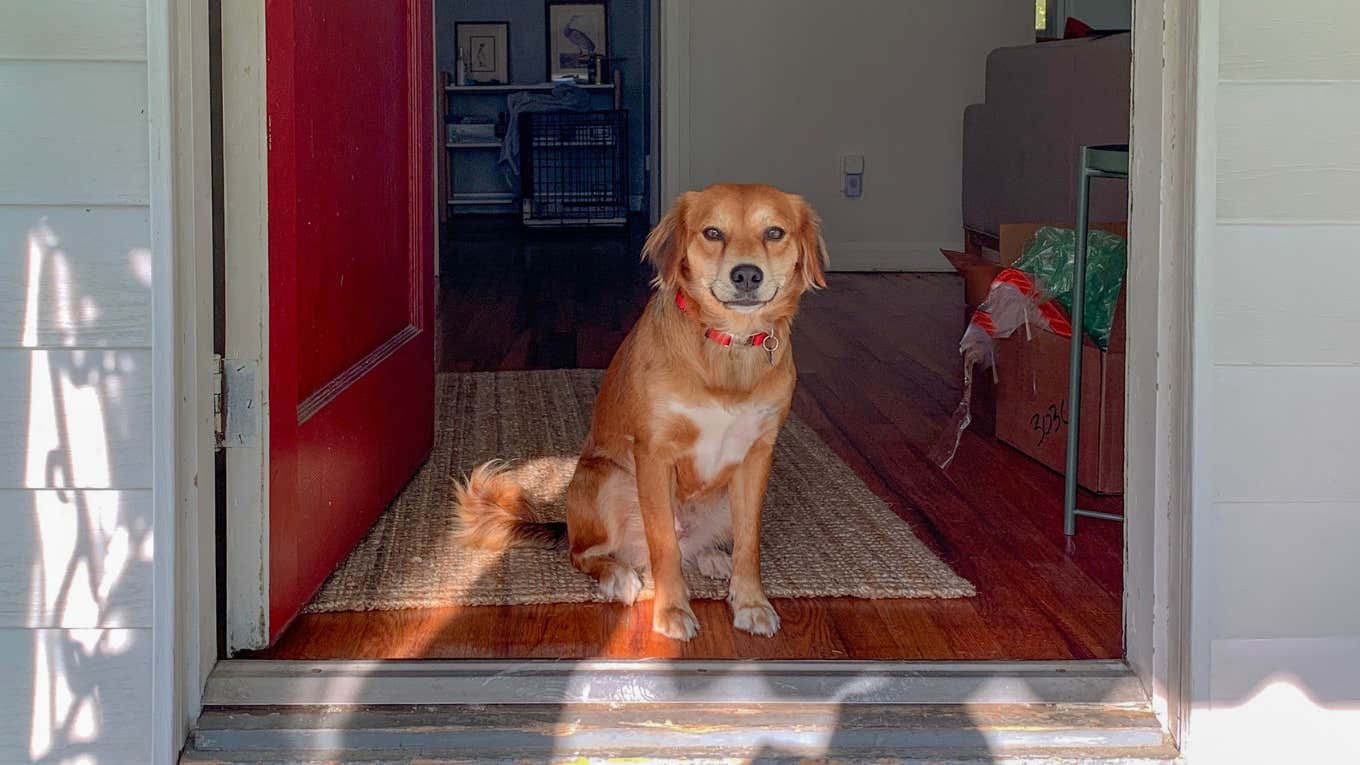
346	379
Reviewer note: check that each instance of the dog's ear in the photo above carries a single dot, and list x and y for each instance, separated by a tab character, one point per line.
664	247
813	259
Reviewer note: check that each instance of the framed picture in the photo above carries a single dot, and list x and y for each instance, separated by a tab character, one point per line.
486	46
577	32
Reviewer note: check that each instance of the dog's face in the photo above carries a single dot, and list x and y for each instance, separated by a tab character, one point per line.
739	249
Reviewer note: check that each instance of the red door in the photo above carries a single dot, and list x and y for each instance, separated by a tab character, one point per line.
351	276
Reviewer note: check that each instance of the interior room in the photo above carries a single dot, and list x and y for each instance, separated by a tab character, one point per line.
916	506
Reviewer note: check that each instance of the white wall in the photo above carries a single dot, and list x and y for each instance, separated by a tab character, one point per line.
1275	660
75	387
779	90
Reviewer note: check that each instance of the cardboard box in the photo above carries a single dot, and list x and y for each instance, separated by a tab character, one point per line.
977	271
1031	392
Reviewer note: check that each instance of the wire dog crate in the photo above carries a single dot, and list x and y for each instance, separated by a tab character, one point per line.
574	168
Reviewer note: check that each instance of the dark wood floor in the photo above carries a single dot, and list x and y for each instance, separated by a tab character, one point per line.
878	377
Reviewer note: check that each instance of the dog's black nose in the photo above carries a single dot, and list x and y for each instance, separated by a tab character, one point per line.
747	277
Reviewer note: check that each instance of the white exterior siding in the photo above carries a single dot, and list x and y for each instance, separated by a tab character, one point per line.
1289	41
108	293
76	539
1311	174
90	111
1276	630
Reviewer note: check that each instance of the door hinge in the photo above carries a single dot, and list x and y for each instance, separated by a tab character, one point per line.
219	402
236	410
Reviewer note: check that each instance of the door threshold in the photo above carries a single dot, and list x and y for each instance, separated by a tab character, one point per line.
934	733
296	712
245	683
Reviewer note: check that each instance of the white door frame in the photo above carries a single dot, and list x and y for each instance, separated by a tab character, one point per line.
671	82
656	200
1157	432
245	173
1162	214
184	614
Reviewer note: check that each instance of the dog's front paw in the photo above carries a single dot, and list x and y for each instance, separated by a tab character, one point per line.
676	622
621	584
756	618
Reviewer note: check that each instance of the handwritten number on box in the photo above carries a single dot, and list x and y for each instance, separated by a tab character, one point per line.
1049	421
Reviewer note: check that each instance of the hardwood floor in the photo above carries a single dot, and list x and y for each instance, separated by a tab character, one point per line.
878	378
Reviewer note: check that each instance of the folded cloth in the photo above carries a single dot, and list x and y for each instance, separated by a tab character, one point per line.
564	97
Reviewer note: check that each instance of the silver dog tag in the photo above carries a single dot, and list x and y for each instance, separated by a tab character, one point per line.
770	344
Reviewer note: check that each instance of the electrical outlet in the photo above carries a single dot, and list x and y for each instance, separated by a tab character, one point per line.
852	169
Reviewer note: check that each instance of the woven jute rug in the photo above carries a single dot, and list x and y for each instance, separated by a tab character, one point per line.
825	534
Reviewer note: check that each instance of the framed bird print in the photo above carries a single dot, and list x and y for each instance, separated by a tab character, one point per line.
485	47
577	33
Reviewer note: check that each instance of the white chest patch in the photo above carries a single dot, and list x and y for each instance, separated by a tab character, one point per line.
725	433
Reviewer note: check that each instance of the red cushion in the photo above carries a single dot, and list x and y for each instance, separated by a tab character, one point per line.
1076	28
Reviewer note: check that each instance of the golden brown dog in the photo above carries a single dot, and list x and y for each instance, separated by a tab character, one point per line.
678	456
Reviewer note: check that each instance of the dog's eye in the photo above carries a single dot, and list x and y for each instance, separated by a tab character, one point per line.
712	234
774	233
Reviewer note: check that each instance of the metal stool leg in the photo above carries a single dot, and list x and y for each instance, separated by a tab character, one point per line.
1074	355
1095	162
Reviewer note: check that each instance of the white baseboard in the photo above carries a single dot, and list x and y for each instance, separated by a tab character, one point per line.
890	256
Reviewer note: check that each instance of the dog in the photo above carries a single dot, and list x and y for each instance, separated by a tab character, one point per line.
675	467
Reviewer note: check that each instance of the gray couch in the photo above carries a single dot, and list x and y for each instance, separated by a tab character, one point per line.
1020	147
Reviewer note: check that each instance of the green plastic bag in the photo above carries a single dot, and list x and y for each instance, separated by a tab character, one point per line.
1048	257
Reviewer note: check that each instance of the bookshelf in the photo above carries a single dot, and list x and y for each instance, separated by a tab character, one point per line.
485	153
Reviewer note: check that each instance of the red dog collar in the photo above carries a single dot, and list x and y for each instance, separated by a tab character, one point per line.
765	340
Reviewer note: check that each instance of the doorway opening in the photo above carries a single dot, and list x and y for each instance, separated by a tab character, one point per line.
877	352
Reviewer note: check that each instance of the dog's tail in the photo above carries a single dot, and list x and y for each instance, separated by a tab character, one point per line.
496	515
